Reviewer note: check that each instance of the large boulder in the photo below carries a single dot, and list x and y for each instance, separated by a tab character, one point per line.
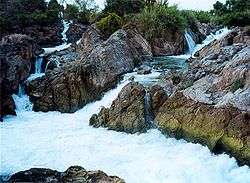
75	32
77	83
127	113
16	53
74	174
173	43
221	129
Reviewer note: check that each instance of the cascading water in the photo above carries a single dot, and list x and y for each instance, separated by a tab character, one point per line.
190	42
38	65
38	139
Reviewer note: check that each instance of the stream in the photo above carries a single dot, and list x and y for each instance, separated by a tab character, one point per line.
55	140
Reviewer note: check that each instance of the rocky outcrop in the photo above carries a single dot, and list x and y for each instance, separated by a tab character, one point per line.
74	174
221	129
75	84
219	75
75	32
16	52
172	43
211	102
59	58
127	113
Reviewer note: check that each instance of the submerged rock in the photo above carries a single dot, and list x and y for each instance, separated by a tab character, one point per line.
77	83
74	174
127	113
16	53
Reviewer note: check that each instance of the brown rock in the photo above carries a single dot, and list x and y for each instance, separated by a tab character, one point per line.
16	52
127	112
74	174
77	83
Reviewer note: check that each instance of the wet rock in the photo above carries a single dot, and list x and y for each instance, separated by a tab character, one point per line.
144	69
173	43
157	97
60	58
75	32
16	53
127	113
77	83
221	129
74	174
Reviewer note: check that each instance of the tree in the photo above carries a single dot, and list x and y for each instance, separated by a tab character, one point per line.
123	7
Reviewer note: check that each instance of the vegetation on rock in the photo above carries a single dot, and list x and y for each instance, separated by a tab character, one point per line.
108	25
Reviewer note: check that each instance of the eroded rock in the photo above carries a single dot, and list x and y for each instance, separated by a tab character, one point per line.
127	113
74	174
77	83
16	53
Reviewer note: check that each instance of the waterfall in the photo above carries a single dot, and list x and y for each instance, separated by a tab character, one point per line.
38	65
190	42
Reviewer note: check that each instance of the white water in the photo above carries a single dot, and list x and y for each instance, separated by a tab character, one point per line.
190	42
63	46
212	37
55	140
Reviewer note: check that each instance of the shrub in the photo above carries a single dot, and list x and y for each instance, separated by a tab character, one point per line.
71	12
202	16
154	20
123	7
109	24
232	13
239	83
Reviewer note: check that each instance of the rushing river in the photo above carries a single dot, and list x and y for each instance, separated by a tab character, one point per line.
56	141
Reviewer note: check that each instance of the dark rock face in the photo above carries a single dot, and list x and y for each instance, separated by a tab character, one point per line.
173	43
45	36
75	32
16	52
127	113
221	129
74	174
75	84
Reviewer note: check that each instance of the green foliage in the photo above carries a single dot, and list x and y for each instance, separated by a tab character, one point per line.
22	13
202	16
71	12
232	13
153	21
239	83
123	7
109	24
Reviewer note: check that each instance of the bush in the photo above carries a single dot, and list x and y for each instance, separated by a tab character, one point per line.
232	13
238	84
109	24
71	12
123	7
202	16
233	19
154	20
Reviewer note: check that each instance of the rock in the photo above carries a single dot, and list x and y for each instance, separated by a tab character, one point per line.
60	58
158	96
75	32
127	113
77	83
221	129
219	75
144	69
173	43
16	52
74	174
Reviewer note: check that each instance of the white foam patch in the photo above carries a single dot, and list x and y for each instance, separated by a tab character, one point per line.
57	141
